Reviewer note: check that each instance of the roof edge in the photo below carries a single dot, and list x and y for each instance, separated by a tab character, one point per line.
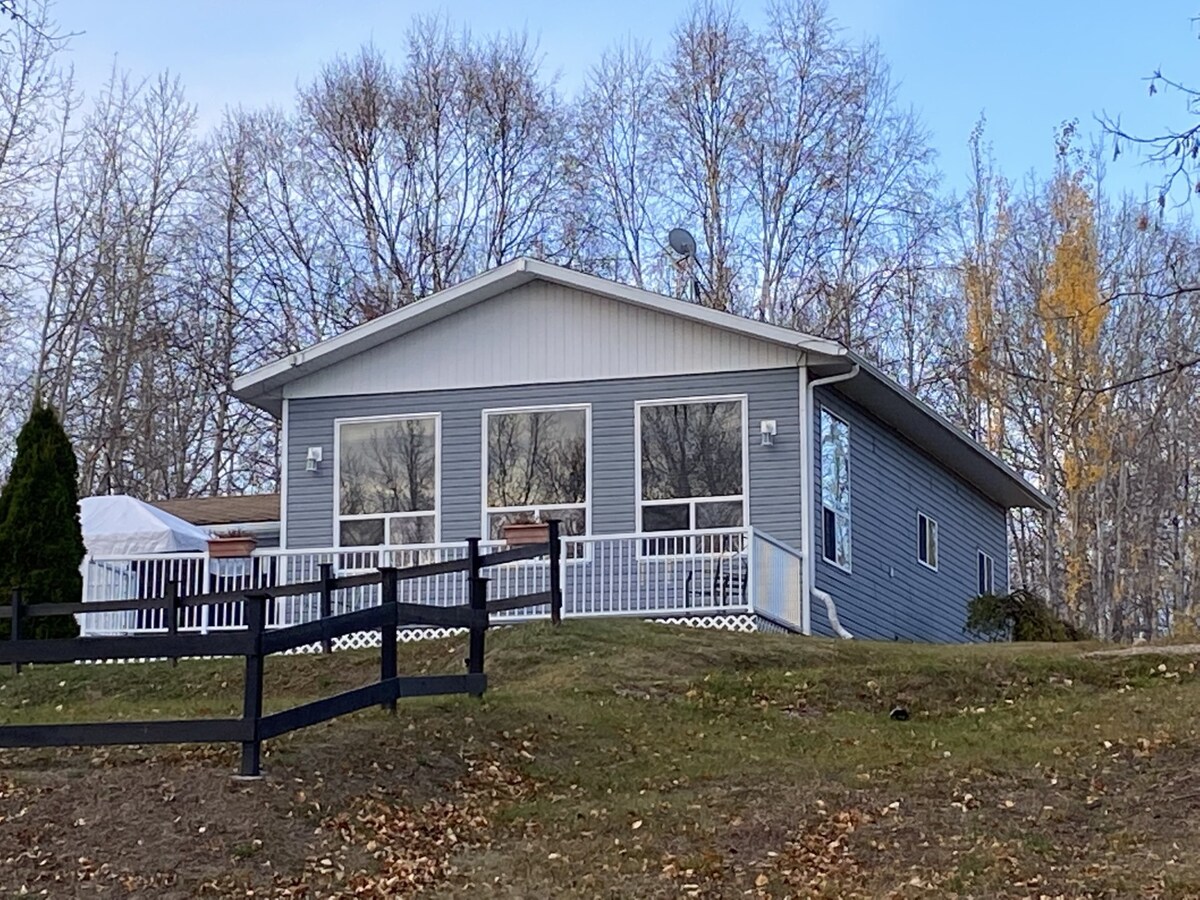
262	386
1037	499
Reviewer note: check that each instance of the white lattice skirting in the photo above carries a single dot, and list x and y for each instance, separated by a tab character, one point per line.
762	624
361	640
740	622
743	622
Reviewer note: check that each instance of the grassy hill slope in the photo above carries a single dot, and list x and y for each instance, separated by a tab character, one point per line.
623	759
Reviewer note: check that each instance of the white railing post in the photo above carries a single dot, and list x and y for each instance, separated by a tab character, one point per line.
751	570
85	620
562	575
805	600
205	580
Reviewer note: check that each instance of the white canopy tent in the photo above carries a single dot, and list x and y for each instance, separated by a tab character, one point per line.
122	526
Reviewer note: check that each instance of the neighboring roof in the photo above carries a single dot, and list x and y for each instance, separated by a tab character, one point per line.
880	395
263	387
233	510
120	526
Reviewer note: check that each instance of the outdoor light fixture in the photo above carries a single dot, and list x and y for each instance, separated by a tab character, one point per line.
314	457
767	428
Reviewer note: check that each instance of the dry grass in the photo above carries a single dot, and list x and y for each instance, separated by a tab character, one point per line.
621	759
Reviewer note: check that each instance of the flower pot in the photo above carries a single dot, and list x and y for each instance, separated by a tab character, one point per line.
231	547
517	534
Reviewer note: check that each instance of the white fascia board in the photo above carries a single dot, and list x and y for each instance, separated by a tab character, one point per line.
369	334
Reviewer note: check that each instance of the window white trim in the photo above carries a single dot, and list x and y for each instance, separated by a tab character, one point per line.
486	511
820	440
639	503
928	526
337	475
988	563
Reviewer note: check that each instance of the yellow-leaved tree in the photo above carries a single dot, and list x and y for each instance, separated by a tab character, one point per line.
1071	313
982	266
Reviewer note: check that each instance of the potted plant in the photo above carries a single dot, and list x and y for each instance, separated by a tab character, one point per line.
231	544
517	534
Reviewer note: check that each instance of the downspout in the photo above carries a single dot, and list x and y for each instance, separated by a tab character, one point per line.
806	492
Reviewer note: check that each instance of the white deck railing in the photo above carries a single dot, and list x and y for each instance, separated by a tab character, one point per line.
778	582
724	571
675	572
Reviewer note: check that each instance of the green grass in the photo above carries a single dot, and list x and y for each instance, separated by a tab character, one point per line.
628	759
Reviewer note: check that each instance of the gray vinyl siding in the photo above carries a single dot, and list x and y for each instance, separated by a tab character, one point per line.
774	471
889	594
268	540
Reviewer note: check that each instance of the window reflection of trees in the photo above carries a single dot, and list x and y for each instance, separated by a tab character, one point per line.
835	489
537	458
388	467
691	450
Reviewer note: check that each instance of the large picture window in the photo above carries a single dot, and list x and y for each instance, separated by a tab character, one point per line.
536	468
835	489
387	478
693	460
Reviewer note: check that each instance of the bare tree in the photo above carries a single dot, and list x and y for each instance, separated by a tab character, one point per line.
618	116
362	185
518	124
711	91
33	89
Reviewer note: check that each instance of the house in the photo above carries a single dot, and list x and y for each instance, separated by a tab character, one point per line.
704	466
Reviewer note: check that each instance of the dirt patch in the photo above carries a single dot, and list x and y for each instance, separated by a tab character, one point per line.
174	823
149	824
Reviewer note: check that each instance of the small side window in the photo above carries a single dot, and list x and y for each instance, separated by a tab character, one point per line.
835	490
987	584
927	541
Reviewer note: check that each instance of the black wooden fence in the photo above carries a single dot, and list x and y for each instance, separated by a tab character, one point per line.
255	643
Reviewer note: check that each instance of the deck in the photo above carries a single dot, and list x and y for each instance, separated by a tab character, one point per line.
737	578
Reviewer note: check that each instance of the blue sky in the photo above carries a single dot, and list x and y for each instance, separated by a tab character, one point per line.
1028	64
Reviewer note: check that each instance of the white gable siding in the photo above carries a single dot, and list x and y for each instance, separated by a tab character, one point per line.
542	333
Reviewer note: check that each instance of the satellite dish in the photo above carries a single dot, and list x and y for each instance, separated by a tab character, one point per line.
682	242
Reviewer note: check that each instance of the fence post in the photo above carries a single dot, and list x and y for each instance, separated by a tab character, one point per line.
255	606
556	599
387	633
16	623
326	609
477	588
171	602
